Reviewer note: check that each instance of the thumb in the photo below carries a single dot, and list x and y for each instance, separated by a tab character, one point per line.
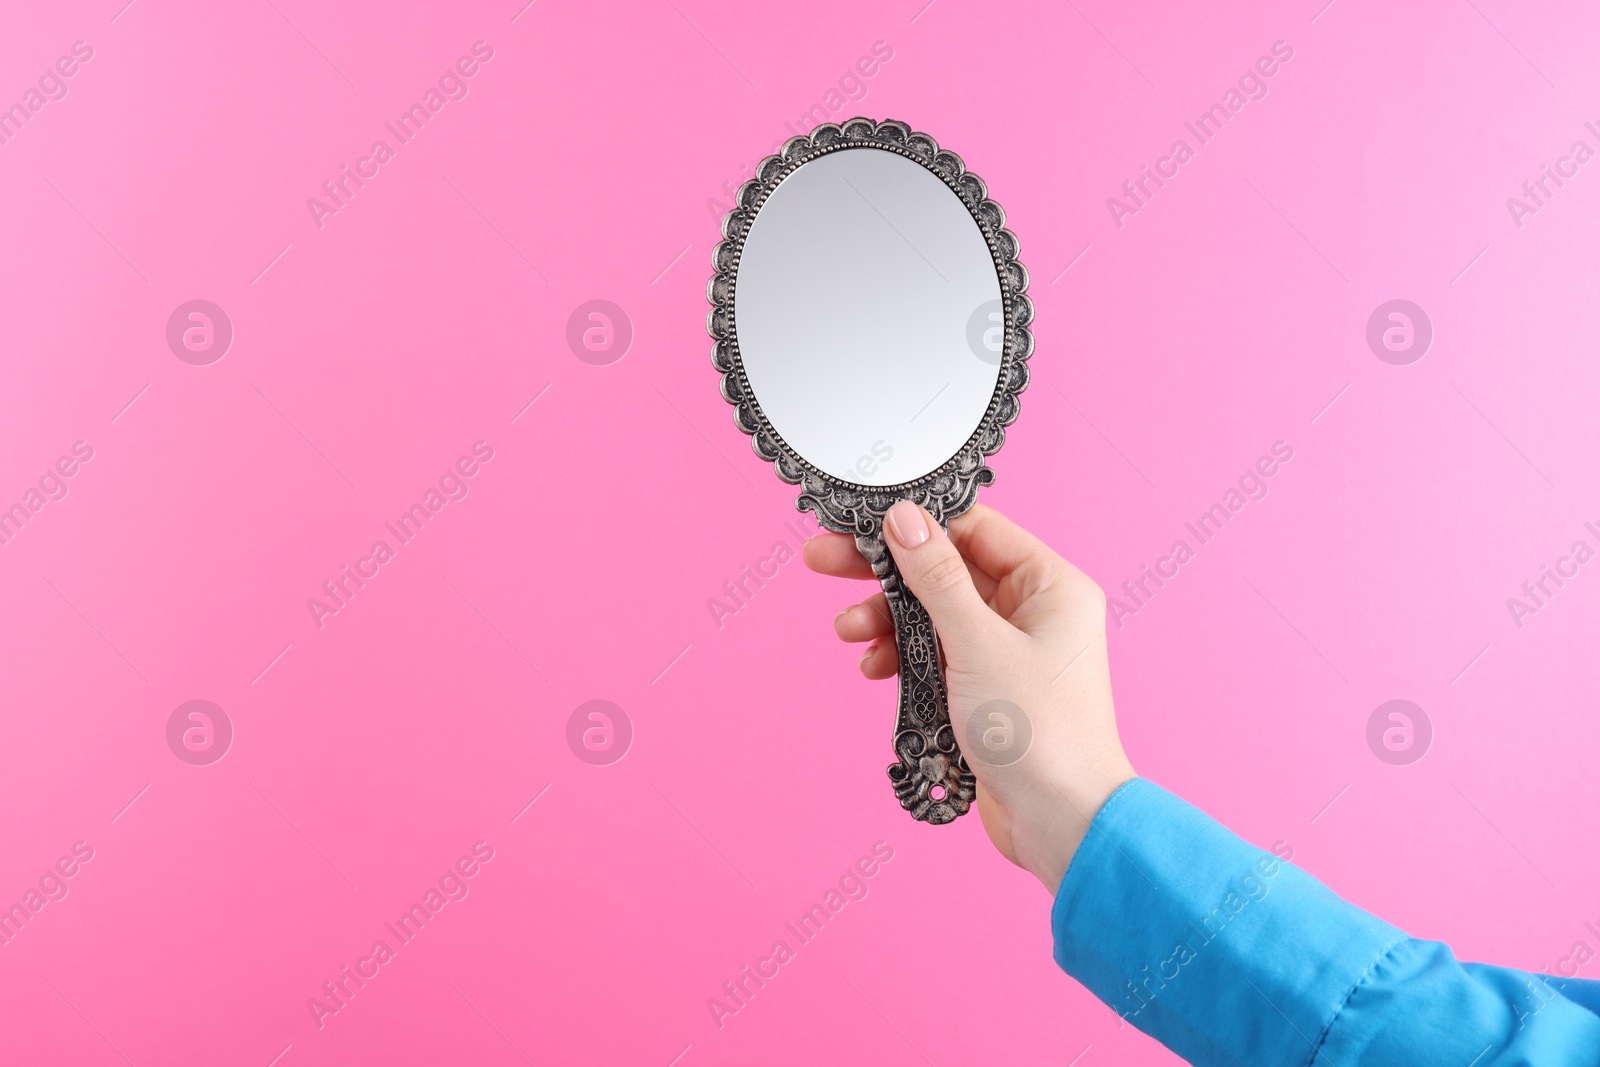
935	572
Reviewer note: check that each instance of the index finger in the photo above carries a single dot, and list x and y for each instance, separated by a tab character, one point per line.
997	544
835	554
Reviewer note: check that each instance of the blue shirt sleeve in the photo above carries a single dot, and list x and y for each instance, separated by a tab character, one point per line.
1227	954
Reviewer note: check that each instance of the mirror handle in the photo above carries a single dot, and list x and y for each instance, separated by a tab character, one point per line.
928	757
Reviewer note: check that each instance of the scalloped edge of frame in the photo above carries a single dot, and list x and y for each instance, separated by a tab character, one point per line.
952	488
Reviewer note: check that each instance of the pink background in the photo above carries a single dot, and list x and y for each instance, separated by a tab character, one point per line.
588	162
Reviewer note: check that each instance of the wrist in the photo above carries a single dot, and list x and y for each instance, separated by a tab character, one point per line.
1067	809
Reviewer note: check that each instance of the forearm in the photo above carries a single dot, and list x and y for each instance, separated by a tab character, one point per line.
1228	955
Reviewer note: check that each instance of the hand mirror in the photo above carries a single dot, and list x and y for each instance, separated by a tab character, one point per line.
870	326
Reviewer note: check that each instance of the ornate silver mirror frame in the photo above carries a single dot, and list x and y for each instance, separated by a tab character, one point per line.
930	775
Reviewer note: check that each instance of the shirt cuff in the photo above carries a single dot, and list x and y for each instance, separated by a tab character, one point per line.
1221	951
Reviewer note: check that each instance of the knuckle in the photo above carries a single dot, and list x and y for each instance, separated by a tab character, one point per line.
1073	586
945	572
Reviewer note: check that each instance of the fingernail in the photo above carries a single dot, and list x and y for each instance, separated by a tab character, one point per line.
906	523
862	666
839	618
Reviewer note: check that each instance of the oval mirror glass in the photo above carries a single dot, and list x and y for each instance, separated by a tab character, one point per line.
869	318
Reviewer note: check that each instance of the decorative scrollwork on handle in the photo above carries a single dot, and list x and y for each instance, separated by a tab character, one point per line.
931	778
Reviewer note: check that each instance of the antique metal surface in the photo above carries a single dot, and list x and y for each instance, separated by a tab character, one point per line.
930	775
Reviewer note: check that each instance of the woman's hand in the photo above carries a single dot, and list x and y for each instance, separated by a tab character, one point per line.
1024	640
